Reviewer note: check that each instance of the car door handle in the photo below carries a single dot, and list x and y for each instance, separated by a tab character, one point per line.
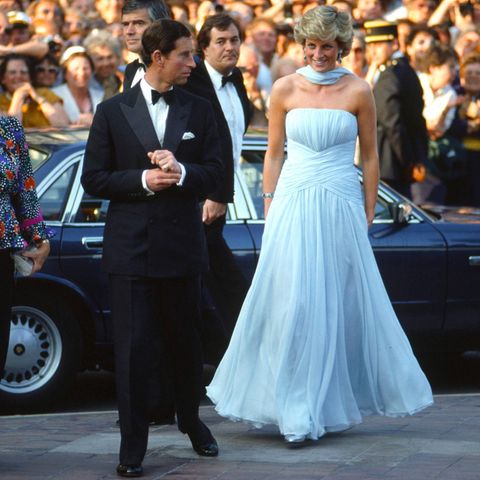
474	261
92	243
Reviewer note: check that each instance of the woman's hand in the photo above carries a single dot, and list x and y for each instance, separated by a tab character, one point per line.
370	217
23	91
38	255
84	120
266	206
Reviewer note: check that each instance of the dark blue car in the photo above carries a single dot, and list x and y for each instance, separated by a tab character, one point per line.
430	263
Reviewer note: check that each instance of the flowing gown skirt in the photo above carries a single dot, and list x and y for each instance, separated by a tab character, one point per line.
317	343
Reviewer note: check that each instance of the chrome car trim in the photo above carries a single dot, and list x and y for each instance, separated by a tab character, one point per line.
76	194
474	261
88	242
55	173
84	224
93	256
409	249
58	170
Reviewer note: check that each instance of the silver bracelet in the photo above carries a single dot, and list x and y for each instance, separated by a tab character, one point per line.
267	194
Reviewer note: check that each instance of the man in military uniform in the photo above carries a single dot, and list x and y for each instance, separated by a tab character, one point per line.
401	130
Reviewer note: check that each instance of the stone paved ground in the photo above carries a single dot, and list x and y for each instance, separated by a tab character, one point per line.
442	442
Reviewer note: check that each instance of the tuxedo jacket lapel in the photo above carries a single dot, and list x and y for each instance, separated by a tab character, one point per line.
137	115
242	94
177	119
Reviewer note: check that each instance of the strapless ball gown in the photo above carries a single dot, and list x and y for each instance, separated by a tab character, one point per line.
317	344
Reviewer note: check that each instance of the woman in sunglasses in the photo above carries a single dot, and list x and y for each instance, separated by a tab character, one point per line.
45	72
34	107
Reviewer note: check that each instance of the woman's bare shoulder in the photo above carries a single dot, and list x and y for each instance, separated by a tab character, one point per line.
358	85
285	84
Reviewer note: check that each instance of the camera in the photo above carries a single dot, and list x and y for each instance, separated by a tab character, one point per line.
466	8
288	9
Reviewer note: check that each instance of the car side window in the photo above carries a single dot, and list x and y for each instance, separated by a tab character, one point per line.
91	210
382	212
54	198
251	167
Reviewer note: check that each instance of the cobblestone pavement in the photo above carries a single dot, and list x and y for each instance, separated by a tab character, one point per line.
441	442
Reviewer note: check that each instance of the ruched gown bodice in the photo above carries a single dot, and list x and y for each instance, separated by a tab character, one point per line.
317	343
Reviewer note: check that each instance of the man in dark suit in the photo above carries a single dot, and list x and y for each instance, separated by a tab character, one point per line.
137	15
218	80
153	151
401	130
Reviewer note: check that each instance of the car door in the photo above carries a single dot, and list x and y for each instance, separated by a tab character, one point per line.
412	259
81	252
462	318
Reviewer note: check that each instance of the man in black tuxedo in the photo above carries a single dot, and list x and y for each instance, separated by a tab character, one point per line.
217	79
401	131
153	151
137	15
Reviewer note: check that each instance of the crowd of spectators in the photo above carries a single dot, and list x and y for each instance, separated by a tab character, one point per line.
60	58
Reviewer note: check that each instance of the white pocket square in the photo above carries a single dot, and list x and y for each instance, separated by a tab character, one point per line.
188	136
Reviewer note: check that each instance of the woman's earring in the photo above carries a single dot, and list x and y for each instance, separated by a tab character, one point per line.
339	57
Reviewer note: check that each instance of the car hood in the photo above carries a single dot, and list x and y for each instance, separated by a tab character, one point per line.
453	214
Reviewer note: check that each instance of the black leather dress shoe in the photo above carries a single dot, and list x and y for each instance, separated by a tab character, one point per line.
129	470
203	441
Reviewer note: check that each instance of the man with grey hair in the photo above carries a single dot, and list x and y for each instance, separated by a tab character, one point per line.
137	15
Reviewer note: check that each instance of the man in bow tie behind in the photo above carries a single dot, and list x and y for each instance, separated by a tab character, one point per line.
137	15
218	80
154	152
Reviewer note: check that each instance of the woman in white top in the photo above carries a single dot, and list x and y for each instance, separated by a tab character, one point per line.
80	99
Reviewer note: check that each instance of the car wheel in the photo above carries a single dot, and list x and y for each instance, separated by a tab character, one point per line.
43	354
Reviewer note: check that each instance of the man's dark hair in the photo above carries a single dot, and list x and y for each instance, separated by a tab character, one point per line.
416	29
220	21
439	55
162	35
157	9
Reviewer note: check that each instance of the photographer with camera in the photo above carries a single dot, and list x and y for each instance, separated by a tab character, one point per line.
461	13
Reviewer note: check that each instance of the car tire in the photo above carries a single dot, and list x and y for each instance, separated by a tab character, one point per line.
43	355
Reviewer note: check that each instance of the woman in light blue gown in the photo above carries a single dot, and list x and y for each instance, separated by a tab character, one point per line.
317	344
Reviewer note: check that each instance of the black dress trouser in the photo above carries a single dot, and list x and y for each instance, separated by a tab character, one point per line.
6	300
148	312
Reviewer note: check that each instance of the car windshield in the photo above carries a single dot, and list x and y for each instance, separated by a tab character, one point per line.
39	142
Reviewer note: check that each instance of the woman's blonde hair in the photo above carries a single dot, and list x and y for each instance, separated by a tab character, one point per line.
326	23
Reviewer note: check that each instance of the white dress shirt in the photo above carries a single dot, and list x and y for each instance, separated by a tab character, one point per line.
158	114
139	74
232	110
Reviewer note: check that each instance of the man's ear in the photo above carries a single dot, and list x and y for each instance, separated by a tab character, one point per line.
158	58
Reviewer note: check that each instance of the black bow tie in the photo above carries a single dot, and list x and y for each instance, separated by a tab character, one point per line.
227	79
167	96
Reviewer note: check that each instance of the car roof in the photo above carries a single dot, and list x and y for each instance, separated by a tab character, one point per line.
49	137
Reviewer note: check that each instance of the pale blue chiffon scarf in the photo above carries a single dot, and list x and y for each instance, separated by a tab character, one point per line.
326	78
